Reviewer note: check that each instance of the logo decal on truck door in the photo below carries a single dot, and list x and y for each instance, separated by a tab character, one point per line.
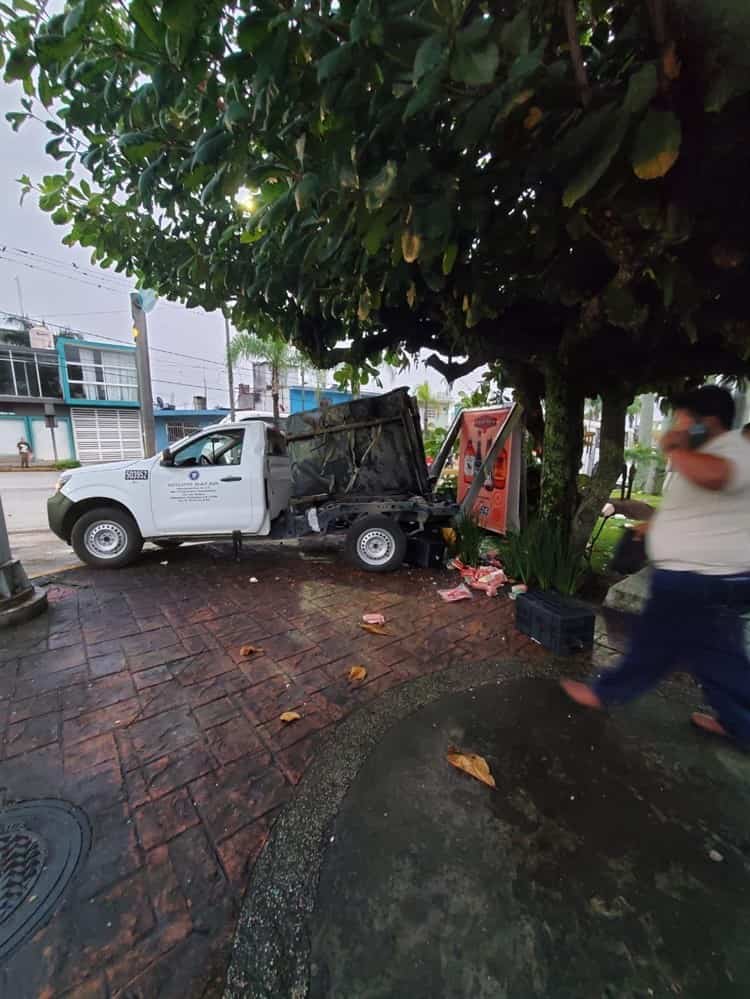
194	475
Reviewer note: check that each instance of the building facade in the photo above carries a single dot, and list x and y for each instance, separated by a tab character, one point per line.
92	387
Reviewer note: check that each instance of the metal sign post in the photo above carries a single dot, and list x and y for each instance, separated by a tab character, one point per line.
50	421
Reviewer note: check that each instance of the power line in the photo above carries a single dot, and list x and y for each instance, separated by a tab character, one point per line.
111	339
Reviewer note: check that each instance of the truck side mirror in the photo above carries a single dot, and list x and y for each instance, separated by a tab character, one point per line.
167	458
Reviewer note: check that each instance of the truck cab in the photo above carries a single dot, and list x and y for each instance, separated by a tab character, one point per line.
224	480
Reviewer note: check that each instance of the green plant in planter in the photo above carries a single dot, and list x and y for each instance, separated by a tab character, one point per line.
541	557
469	539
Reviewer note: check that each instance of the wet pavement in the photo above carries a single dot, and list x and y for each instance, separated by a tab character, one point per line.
132	700
611	860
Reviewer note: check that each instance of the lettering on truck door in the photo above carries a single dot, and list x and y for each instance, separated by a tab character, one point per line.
207	489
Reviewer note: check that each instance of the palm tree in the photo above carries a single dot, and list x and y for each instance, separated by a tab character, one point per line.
272	350
426	400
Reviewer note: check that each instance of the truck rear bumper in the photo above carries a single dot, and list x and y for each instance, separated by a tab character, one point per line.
58	507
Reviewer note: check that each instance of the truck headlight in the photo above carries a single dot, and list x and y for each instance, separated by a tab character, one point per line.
65	477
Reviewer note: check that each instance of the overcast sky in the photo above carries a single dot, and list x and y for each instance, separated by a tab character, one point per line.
58	284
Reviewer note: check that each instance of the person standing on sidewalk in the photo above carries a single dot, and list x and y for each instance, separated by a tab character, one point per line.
24	450
699	545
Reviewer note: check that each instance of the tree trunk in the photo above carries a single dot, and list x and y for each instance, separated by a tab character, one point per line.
563	440
611	448
646	426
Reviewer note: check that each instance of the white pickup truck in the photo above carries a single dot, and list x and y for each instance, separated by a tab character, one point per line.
237	481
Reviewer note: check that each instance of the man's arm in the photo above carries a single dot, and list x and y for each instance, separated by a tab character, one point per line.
708	471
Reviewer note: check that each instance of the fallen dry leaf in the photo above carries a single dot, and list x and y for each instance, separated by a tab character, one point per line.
249	650
290	716
357	674
374	629
470	763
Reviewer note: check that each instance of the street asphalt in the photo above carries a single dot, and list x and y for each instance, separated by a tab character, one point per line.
24	496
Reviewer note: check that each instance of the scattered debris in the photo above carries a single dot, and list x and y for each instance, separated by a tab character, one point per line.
715	856
517	590
476	766
374	629
460	592
488	578
250	650
357	674
373	618
164	563
290	716
253	579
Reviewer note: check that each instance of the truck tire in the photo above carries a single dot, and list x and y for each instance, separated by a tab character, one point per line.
376	544
107	538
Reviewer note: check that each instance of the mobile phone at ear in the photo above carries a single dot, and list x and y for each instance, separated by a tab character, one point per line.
697	435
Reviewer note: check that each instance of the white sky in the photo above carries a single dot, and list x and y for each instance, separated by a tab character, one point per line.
95	302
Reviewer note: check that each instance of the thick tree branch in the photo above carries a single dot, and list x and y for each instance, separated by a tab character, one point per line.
611	448
576	56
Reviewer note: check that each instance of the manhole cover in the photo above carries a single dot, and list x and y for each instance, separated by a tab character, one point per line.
42	844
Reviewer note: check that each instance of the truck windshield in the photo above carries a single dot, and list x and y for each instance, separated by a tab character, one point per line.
217	449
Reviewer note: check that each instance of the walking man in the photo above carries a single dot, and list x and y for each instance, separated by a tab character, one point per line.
699	546
24	450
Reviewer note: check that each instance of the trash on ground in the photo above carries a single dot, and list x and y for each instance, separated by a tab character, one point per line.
460	592
373	618
374	629
357	674
488	578
164	563
517	590
449	535
249	650
290	716
253	579
715	856
472	764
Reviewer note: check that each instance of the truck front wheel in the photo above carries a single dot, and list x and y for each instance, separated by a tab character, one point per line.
376	544
106	538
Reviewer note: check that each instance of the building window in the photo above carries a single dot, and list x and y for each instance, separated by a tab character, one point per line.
32	374
101	375
176	431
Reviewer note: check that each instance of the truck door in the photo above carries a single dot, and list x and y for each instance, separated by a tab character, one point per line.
207	488
278	472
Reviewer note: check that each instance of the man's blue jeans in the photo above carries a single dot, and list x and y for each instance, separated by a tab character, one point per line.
688	624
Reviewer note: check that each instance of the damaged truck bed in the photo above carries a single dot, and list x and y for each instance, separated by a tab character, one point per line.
363	460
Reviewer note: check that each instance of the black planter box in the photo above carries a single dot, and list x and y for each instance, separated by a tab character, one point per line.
424	552
561	624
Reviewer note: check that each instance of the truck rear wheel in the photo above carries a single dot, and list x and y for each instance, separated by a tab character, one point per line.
107	538
376	544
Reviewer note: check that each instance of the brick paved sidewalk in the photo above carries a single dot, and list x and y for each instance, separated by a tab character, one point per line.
132	700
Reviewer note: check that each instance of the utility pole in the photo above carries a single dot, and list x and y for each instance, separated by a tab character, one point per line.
143	366
20	296
230	372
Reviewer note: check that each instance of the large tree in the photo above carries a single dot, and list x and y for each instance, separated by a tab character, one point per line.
560	187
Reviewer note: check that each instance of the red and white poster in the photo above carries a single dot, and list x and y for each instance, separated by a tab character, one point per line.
497	505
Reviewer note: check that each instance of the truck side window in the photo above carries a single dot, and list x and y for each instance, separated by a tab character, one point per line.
216	449
275	442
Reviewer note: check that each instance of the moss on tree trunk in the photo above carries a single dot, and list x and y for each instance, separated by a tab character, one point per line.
563	440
